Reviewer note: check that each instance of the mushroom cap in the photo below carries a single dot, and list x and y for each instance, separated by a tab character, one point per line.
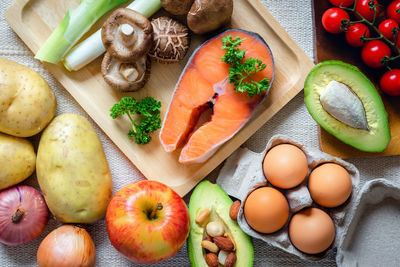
177	7
208	15
126	77
171	40
127	35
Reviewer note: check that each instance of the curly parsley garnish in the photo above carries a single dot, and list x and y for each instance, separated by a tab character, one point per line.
240	72
147	117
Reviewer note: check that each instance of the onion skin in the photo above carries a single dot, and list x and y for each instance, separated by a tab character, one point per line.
23	215
67	246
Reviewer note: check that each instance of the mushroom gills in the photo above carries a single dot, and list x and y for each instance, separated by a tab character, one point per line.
343	104
126	76
127	35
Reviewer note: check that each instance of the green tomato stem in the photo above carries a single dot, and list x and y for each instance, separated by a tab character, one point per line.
372	26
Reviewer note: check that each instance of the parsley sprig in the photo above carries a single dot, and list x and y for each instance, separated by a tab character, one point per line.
240	72
147	117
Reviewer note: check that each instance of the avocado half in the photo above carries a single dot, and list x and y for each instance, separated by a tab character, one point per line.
353	111
211	196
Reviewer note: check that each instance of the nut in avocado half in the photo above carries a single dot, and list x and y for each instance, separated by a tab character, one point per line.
344	102
211	197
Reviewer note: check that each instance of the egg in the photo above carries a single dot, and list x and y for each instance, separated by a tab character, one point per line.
311	230
285	166
330	185
266	210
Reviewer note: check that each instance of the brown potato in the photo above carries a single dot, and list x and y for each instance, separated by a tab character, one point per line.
72	170
27	104
17	160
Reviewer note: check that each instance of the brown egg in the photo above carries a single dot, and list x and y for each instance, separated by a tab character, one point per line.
266	210
330	185
311	231
285	166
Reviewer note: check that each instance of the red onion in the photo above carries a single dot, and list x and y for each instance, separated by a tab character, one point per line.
23	215
67	246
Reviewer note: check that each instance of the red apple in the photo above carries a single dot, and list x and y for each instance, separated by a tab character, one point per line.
147	222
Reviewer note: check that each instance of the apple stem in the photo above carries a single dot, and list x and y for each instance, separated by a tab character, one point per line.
153	213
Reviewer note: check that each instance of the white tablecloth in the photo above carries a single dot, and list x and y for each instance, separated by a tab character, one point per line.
293	120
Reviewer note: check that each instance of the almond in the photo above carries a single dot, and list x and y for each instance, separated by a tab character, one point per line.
234	210
230	260
230	237
223	243
212	260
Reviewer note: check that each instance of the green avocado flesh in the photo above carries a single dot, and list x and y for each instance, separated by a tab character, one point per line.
211	196
374	136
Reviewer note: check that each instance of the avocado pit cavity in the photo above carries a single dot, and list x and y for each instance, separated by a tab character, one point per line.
343	104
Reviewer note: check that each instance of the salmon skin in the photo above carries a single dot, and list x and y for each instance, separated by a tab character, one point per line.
204	84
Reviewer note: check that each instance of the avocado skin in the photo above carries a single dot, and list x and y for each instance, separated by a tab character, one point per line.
374	140
212	197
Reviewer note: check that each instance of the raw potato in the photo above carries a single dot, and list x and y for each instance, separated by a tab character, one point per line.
27	104
17	160
72	170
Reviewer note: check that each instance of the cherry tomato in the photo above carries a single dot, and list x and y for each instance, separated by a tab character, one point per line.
391	11
362	7
386	28
332	19
345	3
390	82
373	52
354	33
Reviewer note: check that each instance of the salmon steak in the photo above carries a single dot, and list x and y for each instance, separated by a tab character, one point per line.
204	84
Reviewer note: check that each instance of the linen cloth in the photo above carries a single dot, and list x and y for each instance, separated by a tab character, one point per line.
293	120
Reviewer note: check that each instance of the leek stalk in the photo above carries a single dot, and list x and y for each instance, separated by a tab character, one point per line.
74	25
92	47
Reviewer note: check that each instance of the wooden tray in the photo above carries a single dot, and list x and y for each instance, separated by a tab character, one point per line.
34	20
329	46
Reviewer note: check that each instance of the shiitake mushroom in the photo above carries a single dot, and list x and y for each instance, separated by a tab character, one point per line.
177	7
127	35
124	76
208	15
171	40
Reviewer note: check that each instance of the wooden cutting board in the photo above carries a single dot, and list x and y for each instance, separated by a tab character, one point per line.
330	46
34	20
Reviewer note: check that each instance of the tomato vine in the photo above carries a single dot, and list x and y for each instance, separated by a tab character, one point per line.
371	24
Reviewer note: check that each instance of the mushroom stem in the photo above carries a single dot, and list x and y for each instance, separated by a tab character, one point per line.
126	29
92	47
129	72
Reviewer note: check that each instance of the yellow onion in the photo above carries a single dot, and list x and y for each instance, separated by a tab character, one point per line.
67	246
23	215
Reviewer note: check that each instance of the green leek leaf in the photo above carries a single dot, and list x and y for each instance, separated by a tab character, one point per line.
75	24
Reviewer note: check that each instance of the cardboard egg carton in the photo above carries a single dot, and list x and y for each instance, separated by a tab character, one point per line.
243	173
373	235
